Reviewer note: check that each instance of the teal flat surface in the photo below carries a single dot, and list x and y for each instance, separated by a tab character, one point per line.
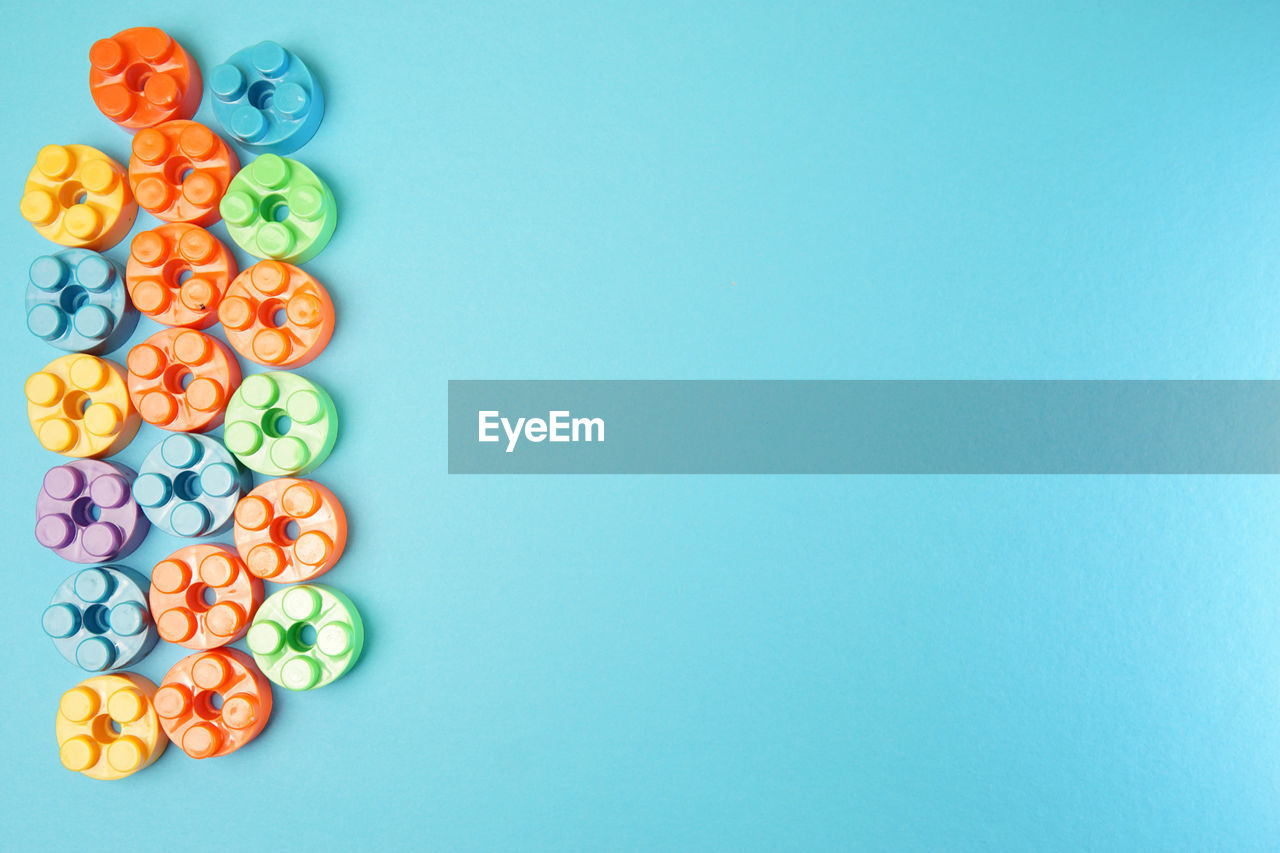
830	190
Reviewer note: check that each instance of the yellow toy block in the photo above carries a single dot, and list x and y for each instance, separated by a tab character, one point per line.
107	726
79	406
79	197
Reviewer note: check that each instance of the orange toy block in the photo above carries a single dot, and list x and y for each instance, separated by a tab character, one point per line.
179	171
277	315
180	584
181	379
140	77
187	706
263	538
158	260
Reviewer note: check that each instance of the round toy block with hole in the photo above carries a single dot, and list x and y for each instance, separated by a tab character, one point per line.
76	302
179	171
289	530
79	197
107	727
189	696
99	619
182	585
189	485
86	513
267	99
181	379
79	406
140	77
306	636
177	274
280	424
277	208
277	315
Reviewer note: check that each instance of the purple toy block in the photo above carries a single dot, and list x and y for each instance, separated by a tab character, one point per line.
86	513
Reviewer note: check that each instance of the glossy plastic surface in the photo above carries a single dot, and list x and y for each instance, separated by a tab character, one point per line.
140	77
306	636
179	171
289	530
182	585
107	727
277	315
280	424
99	618
79	406
181	379
160	261
188	702
267	99
85	512
278	208
79	197
76	302
189	485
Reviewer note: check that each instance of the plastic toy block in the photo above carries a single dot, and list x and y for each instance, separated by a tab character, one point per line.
180	586
306	636
189	486
280	424
79	406
181	379
78	197
277	315
265	97
99	620
159	261
86	513
141	77
187	702
107	726
263	537
277	208
179	171
76	302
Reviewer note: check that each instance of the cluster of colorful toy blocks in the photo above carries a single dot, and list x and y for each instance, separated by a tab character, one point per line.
206	595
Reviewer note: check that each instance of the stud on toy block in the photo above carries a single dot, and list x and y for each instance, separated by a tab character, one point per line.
79	406
141	77
179	584
250	314
186	703
86	513
107	727
277	208
256	430
79	197
279	642
181	379
76	301
262	534
189	485
99	619
179	171
158	261
267	99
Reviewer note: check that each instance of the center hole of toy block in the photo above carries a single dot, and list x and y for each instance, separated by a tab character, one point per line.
74	404
104	729
72	193
186	486
177	169
95	618
302	636
274	208
200	597
176	378
85	511
72	298
292	531
276	423
208	704
271	313
136	76
261	93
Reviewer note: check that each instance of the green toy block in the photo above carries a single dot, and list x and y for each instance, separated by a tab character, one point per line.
277	208
280	424
280	642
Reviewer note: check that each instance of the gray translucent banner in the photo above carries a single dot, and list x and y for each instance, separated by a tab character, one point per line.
864	427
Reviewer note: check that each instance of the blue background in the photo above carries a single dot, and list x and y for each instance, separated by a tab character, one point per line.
715	190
